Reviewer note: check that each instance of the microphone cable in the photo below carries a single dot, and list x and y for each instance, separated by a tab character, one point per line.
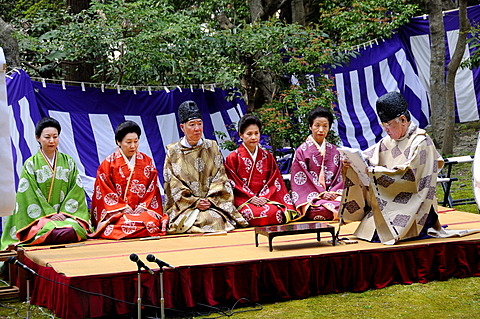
228	312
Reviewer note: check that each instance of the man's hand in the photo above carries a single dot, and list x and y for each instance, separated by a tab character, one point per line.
203	204
258	201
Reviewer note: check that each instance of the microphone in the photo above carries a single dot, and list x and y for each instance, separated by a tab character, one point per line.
140	264
13	260
151	258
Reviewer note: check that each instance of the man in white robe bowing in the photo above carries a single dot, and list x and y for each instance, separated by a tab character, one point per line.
399	201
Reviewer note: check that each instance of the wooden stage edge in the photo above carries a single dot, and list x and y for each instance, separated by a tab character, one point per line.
218	269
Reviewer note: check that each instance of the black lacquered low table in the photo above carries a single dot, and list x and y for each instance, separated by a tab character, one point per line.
293	229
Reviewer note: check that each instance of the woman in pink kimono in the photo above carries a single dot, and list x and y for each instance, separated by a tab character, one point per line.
260	194
316	178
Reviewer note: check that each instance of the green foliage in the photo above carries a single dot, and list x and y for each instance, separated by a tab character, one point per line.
285	120
167	42
357	21
225	142
473	43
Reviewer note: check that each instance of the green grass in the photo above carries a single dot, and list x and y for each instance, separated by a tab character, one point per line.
461	188
13	308
455	298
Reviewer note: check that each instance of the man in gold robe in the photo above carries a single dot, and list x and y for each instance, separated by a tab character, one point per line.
198	194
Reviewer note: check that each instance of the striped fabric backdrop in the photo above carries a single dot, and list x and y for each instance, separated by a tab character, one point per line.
401	64
7	185
89	117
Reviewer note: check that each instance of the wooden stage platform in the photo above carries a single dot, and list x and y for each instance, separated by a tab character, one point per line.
79	281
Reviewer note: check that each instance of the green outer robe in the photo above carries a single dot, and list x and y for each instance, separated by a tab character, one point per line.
67	196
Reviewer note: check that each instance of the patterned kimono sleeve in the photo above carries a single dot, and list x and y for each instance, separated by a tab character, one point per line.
301	174
337	180
75	201
105	198
152	198
30	198
31	205
219	189
178	197
416	178
355	202
241	194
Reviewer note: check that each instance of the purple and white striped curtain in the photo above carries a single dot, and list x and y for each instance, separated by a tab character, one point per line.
89	116
401	64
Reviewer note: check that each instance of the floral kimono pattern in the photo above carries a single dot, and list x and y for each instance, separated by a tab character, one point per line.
126	201
44	191
259	177
315	170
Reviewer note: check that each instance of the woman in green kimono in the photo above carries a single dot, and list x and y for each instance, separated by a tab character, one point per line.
50	202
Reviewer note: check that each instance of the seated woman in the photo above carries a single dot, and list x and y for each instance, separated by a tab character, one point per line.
316	178
50	200
126	201
260	194
198	195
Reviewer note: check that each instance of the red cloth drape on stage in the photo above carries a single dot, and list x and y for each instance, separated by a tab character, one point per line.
258	280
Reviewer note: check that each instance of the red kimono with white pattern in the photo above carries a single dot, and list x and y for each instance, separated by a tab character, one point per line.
258	177
127	203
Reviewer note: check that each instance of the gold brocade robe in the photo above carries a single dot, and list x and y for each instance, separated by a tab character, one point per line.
401	194
192	173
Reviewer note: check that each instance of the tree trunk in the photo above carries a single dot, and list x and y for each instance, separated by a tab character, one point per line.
437	70
76	6
9	44
298	12
81	72
452	69
256	10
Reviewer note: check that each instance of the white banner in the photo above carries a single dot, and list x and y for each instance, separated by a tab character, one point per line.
7	184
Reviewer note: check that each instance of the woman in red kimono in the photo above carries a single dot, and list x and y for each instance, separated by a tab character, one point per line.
126	201
260	194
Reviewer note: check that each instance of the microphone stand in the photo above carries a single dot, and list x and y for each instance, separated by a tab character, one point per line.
139	291
28	294
162	300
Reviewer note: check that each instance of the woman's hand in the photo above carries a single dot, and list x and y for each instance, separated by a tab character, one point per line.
139	210
258	201
58	217
329	195
128	210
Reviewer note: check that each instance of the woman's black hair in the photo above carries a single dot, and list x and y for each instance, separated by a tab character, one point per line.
126	127
44	123
246	121
320	112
